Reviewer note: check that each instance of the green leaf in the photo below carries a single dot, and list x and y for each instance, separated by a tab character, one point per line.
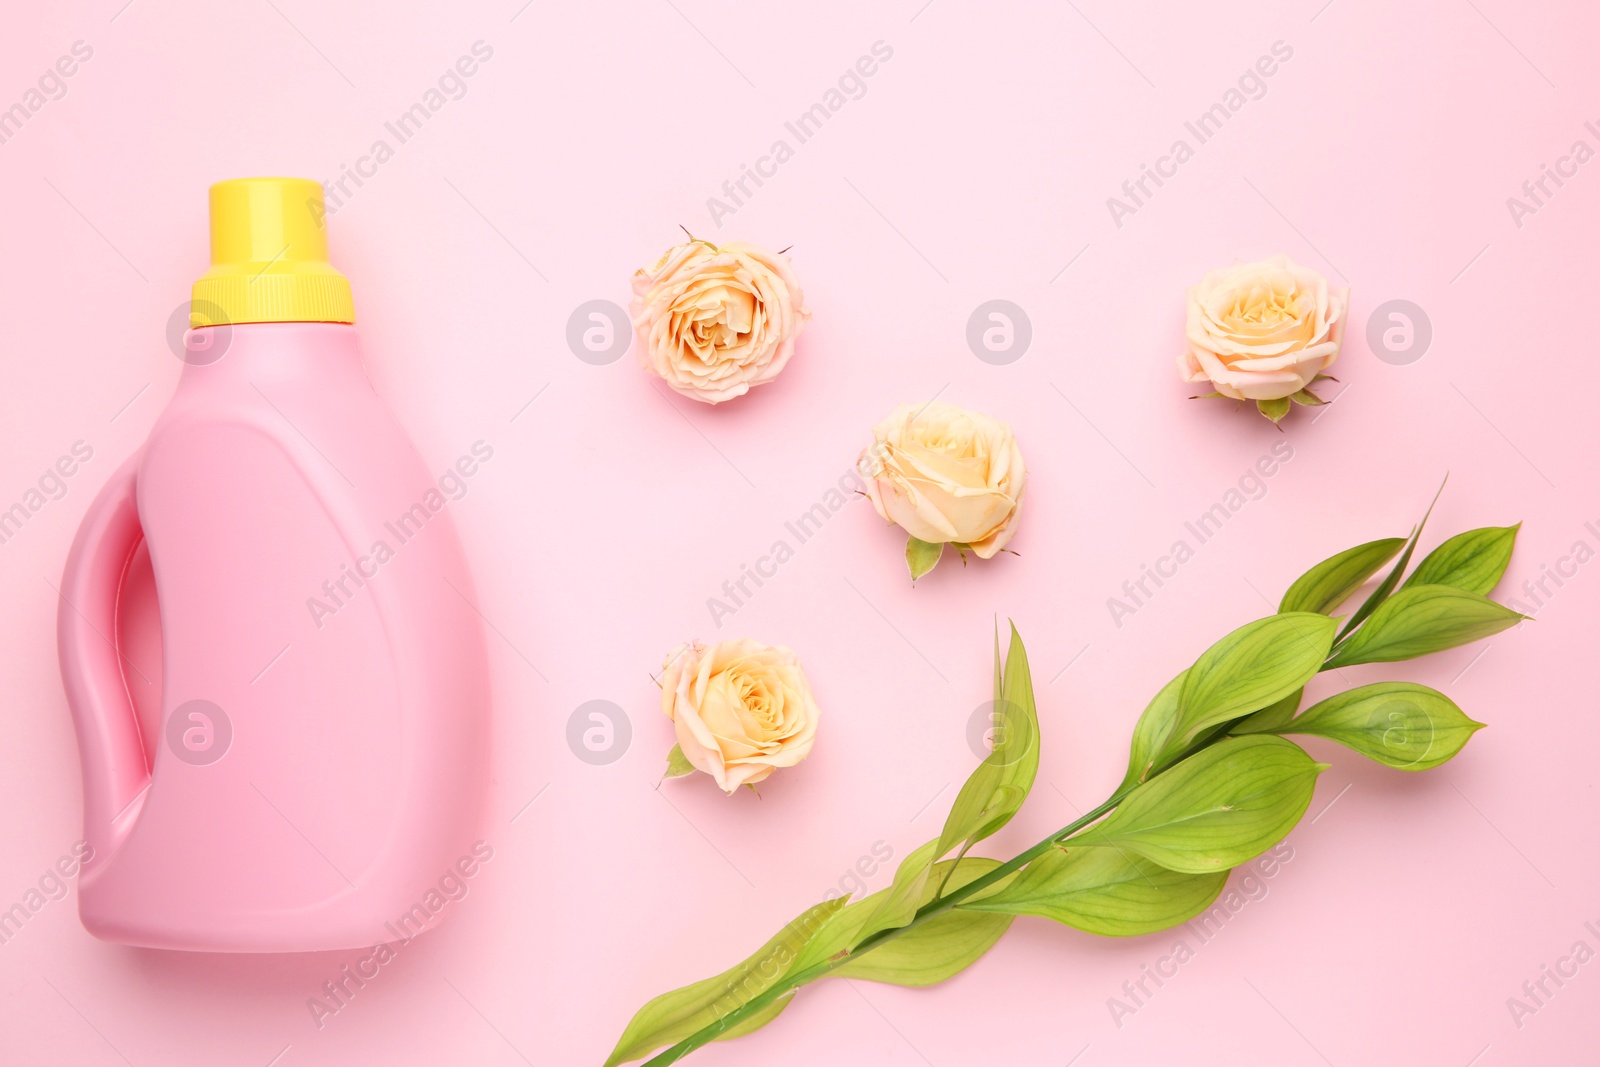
1104	891
922	556
1223	805
899	903
1256	665
1421	619
678	764
751	1023
1307	398
998	786
1398	724
1390	580
1268	719
940	946
673	1016
1330	583
1274	409
1473	561
1150	734
840	933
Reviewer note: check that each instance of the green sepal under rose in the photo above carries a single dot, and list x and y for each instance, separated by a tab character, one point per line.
922	556
678	764
1274	409
1277	409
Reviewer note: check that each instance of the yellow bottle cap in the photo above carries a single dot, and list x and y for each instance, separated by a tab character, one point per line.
269	257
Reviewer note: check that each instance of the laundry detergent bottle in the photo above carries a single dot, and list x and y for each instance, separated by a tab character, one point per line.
268	634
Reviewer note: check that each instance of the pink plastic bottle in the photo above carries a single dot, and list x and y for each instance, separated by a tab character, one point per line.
318	756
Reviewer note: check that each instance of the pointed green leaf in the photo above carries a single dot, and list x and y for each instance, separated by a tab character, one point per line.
922	556
839	933
1151	733
1307	398
1390	580
848	926
940	946
998	786
1256	665
1223	805
752	1023
1399	724
1473	561
1421	619
1274	409
1104	891
1330	583
999	676
678	764
1268	719
673	1016
900	901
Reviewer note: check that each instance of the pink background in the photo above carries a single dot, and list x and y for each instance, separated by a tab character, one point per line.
976	166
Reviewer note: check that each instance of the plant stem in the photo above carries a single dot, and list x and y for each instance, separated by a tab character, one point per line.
934	907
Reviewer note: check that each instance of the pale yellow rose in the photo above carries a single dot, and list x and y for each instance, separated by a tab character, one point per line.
740	709
713	321
1262	331
947	475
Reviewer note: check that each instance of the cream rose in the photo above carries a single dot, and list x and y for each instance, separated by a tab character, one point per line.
946	475
1263	331
713	321
740	709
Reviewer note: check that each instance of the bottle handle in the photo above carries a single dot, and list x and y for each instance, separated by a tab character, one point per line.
115	769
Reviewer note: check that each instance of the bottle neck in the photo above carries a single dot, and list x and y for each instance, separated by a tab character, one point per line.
243	350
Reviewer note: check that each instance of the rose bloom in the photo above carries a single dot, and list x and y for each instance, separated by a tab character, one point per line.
714	321
945	474
740	709
1262	331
